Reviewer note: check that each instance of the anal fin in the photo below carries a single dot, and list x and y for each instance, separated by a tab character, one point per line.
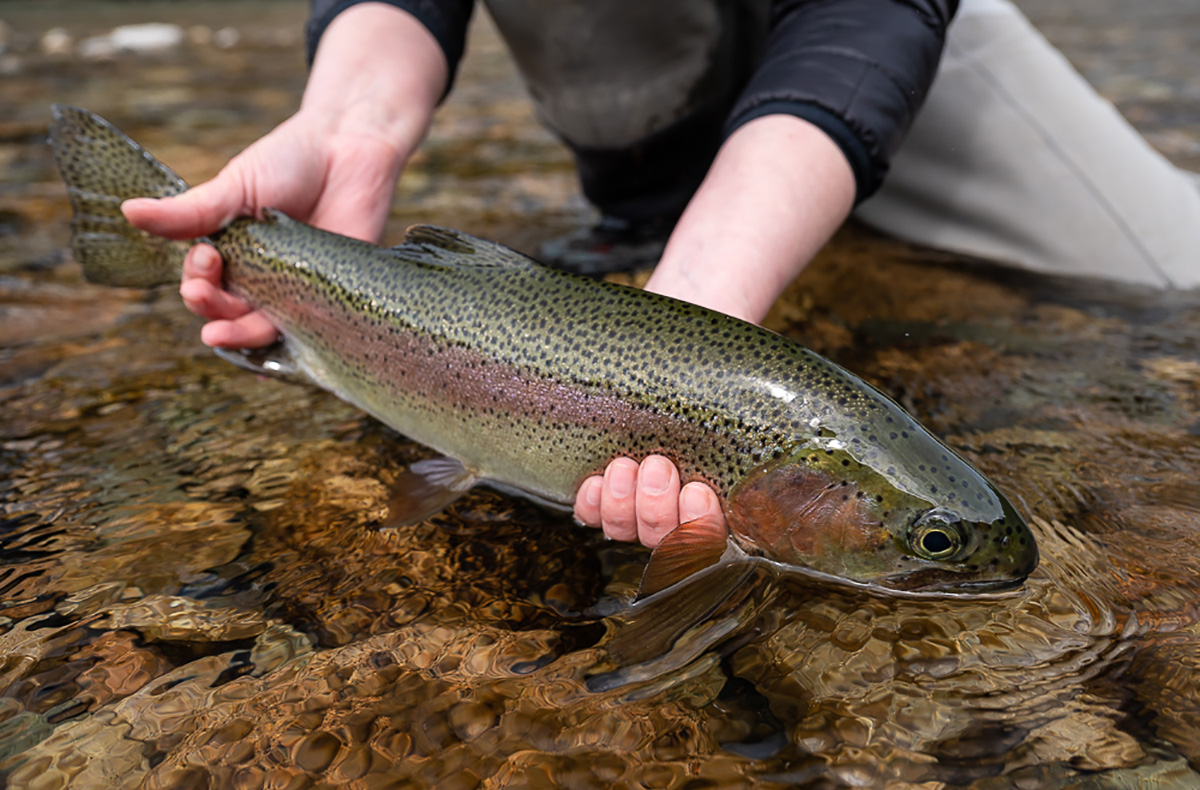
425	488
687	549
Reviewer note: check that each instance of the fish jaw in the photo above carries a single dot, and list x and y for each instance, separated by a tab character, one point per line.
824	511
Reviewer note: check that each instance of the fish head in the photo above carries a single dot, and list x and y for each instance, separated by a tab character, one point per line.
957	550
859	518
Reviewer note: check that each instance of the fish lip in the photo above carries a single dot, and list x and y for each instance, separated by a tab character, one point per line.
943	582
978	586
942	588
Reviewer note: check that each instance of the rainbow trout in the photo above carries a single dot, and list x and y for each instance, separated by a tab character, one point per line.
531	379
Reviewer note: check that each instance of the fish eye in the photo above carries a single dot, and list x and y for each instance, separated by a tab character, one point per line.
936	535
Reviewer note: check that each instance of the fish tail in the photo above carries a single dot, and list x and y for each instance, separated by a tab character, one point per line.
102	168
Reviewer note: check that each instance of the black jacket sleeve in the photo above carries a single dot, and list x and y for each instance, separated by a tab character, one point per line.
445	19
857	69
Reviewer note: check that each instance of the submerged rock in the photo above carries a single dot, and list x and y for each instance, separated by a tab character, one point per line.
56	41
97	48
226	38
145	38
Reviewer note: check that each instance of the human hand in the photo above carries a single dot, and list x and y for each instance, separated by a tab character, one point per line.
377	75
309	168
642	502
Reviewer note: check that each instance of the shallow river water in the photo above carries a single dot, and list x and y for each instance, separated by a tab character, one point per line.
196	589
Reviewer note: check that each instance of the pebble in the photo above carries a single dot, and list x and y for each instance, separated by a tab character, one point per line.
56	41
200	35
97	48
226	38
143	38
149	37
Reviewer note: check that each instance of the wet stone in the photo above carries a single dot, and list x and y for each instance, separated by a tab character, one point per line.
189	779
248	779
317	751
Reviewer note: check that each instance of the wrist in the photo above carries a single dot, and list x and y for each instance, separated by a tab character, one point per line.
377	72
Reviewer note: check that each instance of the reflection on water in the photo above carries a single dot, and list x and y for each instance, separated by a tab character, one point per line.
196	590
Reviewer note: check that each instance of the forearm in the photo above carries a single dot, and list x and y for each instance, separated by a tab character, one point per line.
378	72
776	192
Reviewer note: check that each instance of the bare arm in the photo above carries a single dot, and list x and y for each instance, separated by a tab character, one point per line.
777	191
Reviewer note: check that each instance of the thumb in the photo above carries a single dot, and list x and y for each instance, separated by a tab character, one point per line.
201	210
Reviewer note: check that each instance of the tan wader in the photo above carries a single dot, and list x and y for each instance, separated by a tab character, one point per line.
1014	158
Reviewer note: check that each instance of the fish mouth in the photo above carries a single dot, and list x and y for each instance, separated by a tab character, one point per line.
978	586
940	581
925	584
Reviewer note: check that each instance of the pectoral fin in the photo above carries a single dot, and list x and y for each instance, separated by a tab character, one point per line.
652	641
275	361
688	548
425	488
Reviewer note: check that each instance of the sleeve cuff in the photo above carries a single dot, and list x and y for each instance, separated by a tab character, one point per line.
446	22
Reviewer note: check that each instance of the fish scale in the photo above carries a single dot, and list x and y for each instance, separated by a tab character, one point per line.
533	379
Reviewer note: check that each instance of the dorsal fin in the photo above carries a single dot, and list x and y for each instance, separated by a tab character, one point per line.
274	215
455	248
688	548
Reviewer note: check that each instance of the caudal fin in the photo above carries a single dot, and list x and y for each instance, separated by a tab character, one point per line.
102	168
